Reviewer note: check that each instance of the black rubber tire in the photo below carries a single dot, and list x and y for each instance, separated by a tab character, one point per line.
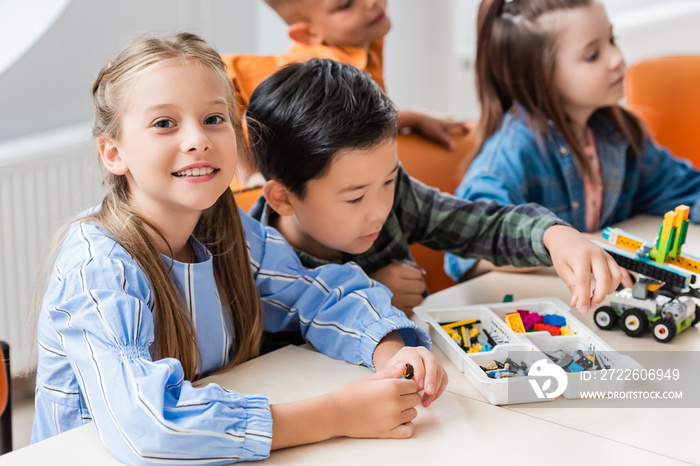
664	330
605	317
634	322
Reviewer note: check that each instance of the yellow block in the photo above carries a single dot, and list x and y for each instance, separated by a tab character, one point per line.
683	211
685	263
628	243
515	322
450	331
566	330
458	324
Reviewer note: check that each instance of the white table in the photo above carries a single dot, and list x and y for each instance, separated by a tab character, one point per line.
461	426
672	433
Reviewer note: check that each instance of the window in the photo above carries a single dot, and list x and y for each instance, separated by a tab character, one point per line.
22	24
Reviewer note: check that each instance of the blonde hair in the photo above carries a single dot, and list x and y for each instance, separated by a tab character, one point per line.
219	227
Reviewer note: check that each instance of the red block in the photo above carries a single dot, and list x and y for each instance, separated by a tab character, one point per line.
540	327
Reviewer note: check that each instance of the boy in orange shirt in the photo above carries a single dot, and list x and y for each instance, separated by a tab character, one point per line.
348	31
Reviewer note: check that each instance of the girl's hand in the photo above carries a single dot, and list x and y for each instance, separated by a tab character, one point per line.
428	373
575	259
405	282
381	405
438	129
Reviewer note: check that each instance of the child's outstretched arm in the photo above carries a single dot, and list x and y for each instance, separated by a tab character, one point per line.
575	258
437	128
381	405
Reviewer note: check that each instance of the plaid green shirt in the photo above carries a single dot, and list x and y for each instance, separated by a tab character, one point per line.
503	235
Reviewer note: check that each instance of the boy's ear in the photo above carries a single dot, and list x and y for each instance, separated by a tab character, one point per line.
111	156
302	32
278	197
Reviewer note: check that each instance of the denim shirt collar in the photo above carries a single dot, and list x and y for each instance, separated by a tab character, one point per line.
612	152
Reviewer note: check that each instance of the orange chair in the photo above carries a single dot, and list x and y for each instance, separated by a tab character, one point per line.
443	169
245	198
5	406
664	92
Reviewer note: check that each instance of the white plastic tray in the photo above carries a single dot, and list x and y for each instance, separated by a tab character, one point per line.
492	316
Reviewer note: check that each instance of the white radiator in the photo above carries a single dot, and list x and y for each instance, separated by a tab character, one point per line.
45	180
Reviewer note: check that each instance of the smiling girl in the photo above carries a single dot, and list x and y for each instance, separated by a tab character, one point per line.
167	281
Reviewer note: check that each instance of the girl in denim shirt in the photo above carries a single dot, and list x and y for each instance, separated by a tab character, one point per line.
551	129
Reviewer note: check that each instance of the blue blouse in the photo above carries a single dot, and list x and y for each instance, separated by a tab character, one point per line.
96	331
515	167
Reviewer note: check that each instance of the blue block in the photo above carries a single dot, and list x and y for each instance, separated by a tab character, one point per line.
573	367
553	319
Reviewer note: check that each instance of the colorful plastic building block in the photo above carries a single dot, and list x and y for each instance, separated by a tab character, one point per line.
576	361
554	319
461	323
515	322
529	318
498	370
566	330
661	299
542	327
468	336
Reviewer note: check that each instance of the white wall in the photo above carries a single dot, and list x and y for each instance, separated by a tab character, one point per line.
49	85
419	54
653	28
643	28
429	52
48	162
46	72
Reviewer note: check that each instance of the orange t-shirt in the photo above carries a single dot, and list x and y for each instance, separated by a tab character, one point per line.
247	71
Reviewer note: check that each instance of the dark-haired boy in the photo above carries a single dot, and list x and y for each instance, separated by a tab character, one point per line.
324	136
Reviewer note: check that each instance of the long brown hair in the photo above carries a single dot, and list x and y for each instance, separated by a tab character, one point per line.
515	61
219	227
